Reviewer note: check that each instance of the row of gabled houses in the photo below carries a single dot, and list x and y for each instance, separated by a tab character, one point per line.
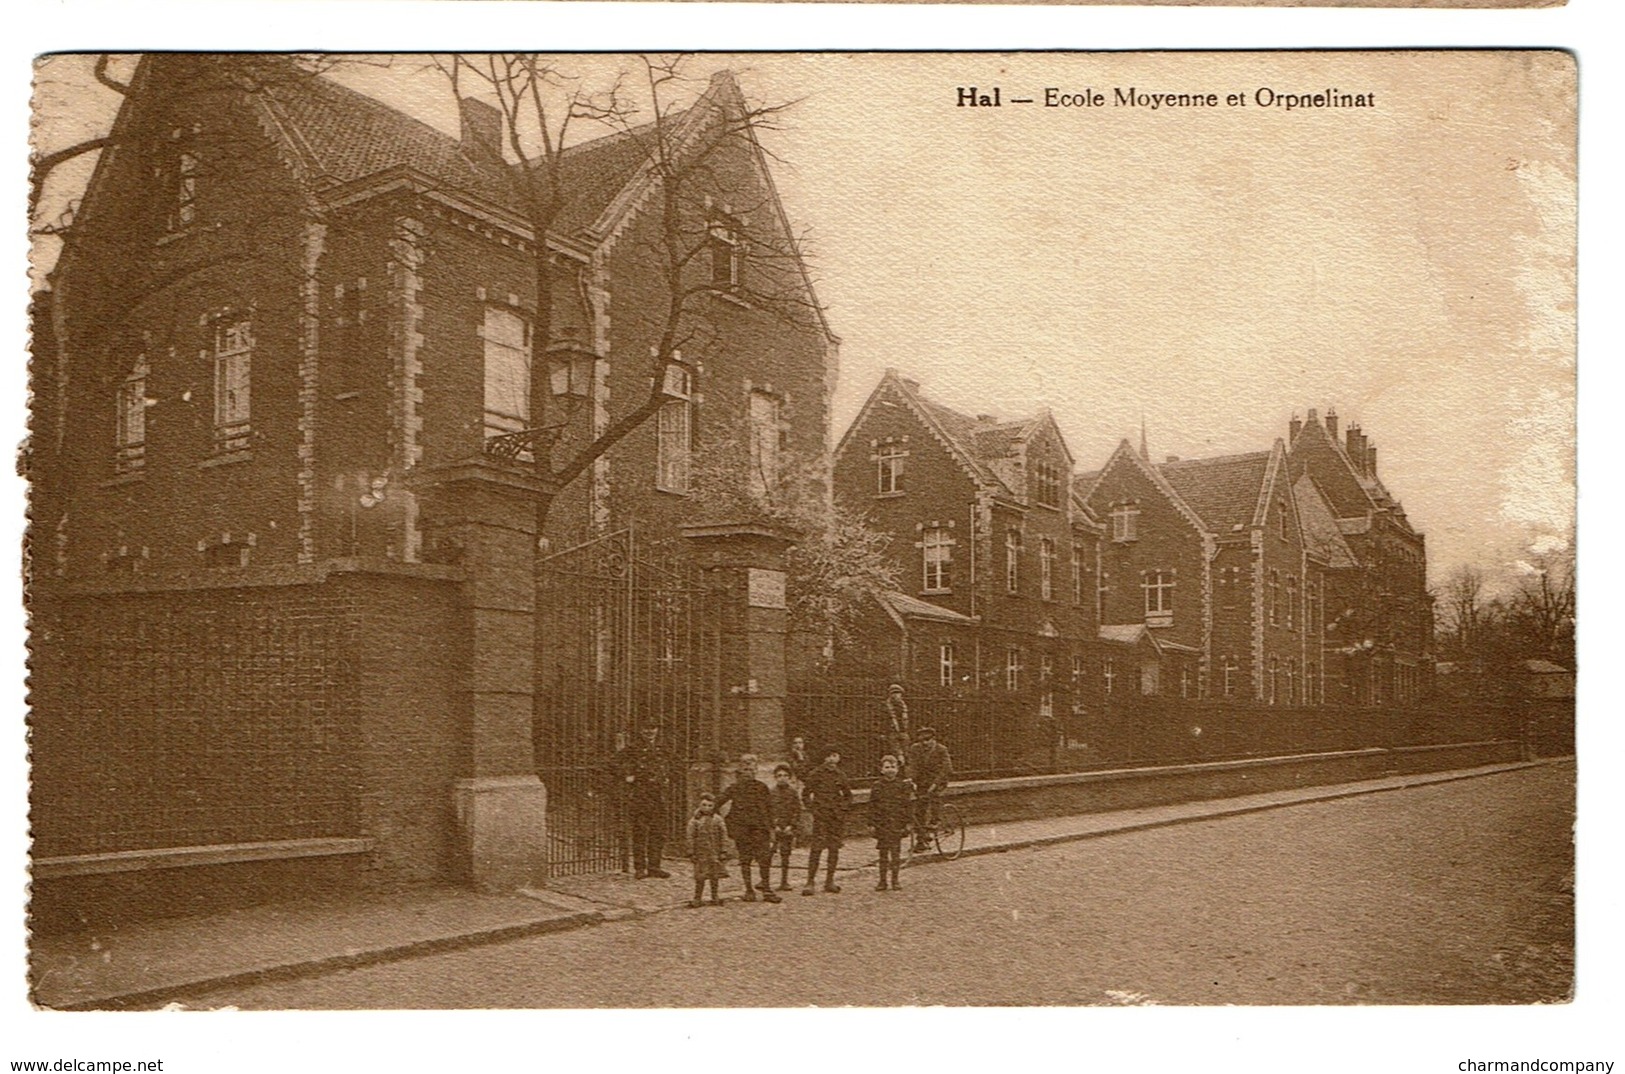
1287	576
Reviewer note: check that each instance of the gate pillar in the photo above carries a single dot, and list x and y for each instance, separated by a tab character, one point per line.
745	564
481	516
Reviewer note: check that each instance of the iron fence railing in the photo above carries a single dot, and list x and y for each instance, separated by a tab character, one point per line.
995	733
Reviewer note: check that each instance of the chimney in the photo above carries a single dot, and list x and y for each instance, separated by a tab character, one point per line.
1294	427
911	384
1172	458
1355	446
1331	425
1371	460
481	131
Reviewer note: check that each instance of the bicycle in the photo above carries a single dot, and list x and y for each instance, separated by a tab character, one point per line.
946	833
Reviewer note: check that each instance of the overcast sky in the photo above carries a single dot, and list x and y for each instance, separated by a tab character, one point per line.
1213	270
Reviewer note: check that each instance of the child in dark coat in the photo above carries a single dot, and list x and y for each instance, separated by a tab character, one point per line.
707	837
786	816
827	796
890	808
750	819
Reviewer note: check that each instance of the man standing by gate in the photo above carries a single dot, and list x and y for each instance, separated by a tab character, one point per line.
643	772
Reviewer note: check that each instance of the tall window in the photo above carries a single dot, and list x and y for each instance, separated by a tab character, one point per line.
674	433
1012	561
1230	667
1159	596
233	354
764	442
1292	680
1312	686
1046	568
1012	668
1291	602
1311	598
1108	673
1047	484
1125	522
936	549
727	254
1275	598
507	371
889	462
947	664
1077	575
1046	696
132	418
1275	676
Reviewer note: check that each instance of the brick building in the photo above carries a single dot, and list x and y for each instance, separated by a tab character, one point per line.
1207	555
279	504
996	561
1379	616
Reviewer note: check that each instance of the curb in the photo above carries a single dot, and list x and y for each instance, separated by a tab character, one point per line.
315	967
1218	814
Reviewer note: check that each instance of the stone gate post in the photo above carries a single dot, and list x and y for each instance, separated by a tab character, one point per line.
745	564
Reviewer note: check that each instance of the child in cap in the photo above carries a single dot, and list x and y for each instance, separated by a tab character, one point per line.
827	795
785	814
890	805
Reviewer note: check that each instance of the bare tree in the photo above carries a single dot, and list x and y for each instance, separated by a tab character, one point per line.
1463	606
684	132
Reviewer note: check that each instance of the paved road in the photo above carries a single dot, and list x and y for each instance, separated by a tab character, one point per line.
1454	893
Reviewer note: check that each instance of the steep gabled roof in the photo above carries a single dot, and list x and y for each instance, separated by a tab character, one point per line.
1223	490
1321	535
982	448
1125	455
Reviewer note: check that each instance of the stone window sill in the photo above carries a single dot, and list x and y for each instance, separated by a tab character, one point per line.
227	458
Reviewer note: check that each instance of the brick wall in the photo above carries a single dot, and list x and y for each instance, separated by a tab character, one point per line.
209	716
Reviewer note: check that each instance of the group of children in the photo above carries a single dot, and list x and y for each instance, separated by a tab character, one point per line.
763	823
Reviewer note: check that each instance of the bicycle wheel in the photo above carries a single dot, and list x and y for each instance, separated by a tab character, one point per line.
949	834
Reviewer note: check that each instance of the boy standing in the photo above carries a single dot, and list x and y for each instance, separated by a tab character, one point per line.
786	818
890	800
707	834
827	796
750	818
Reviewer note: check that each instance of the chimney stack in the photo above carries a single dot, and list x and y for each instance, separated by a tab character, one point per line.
1371	460
1331	424
481	135
1294	427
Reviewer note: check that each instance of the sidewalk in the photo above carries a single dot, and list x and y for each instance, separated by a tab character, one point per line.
148	964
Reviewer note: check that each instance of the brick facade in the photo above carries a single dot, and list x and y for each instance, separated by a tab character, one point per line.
984	528
237	196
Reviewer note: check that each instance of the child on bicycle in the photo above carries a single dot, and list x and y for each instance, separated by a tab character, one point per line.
890	803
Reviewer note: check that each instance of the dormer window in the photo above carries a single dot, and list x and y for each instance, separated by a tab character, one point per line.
1126	522
1047	484
132	419
890	461
727	249
233	360
175	174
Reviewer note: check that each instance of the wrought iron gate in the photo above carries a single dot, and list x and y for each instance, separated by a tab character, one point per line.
629	635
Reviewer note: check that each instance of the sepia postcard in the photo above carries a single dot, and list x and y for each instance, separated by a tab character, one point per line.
777	530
